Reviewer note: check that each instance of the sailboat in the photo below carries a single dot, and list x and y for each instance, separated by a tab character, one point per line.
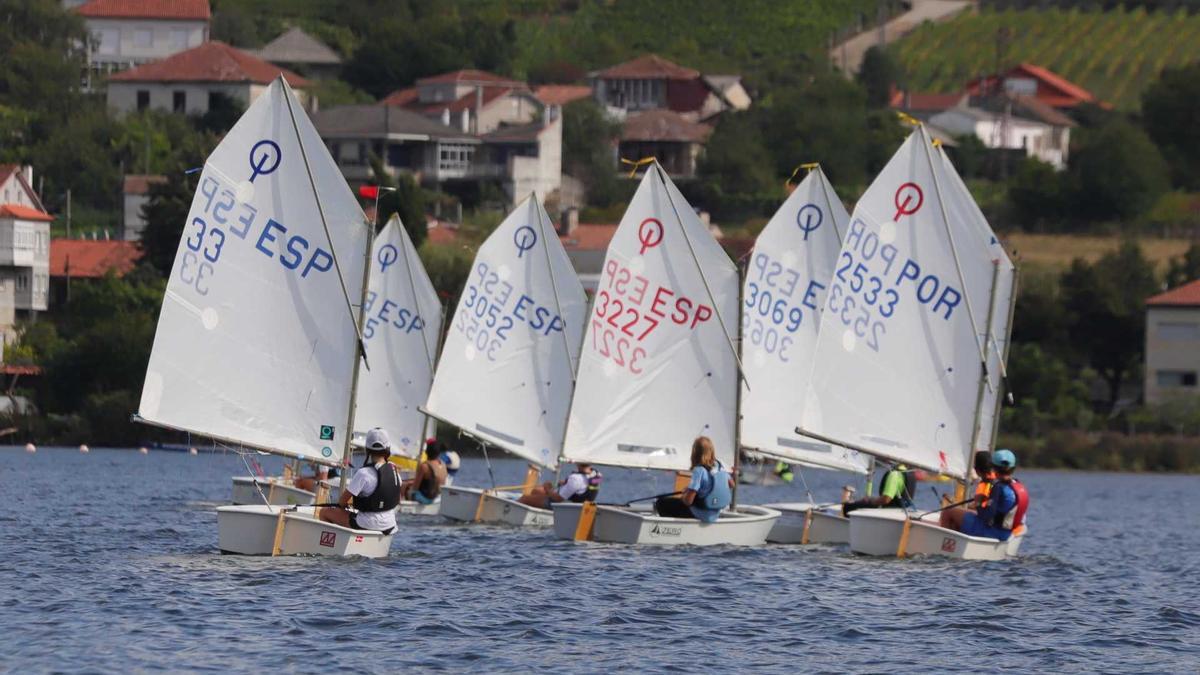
257	341
658	368
787	274
507	370
909	360
401	331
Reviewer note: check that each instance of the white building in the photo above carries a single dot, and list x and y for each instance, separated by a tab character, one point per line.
1173	343
135	193
1012	122
24	249
651	82
189	82
473	101
128	33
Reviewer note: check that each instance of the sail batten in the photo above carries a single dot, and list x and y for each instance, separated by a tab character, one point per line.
254	343
505	374
784	287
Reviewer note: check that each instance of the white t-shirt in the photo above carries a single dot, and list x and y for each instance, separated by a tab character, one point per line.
363	482
576	485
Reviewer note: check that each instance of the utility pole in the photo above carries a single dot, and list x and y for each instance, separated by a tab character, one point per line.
68	214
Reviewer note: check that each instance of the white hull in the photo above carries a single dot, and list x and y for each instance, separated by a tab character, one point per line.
743	526
828	525
277	491
501	508
409	508
250	530
877	532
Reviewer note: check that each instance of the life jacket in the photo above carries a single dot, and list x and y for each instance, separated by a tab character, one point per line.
984	487
1014	517
910	486
593	487
386	494
715	494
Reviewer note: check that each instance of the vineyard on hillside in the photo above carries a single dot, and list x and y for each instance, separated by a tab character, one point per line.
1114	54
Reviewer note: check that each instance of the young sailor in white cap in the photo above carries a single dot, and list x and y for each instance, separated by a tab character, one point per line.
374	490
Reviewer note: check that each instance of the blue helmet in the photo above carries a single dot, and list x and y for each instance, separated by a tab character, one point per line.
1004	459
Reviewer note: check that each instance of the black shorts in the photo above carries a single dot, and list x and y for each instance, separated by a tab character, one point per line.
355	526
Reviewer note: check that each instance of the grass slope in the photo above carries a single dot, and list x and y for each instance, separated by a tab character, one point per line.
1114	54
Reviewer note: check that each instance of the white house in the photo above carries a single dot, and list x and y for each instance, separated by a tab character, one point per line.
189	81
651	82
128	33
1173	343
24	249
473	101
1011	122
135	193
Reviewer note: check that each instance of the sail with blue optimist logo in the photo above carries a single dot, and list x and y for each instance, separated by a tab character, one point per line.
401	331
898	370
507	370
786	279
256	340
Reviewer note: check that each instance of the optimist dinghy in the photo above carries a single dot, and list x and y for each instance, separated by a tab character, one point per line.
909	363
785	284
658	368
258	341
507	371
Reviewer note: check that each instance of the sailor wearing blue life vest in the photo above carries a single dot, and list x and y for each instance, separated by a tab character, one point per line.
709	491
1003	514
374	490
582	485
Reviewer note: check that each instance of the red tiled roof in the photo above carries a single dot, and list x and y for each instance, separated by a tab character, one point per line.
1069	88
400	97
139	184
13	369
930	102
649	66
470	75
465	102
92	258
663	125
1069	94
441	235
210	62
1187	295
589	237
561	94
23	213
145	9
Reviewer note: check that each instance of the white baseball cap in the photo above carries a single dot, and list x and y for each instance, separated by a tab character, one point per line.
377	441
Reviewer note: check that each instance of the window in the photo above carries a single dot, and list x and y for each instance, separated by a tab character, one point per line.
179	39
179	101
107	41
143	99
22	282
143	37
454	157
1176	378
1178	331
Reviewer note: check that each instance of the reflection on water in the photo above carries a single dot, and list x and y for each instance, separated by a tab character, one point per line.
110	563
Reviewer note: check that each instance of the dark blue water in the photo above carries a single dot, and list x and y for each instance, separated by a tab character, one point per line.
108	562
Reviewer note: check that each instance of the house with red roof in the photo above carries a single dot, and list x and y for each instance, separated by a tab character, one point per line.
128	33
1027	79
24	248
191	81
651	82
1173	343
473	101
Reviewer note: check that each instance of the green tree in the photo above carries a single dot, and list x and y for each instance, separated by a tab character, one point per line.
406	199
165	214
1184	268
589	150
822	120
1170	111
880	75
1039	194
1105	306
735	162
1119	174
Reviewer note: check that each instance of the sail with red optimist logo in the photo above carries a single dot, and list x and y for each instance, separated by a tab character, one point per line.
657	367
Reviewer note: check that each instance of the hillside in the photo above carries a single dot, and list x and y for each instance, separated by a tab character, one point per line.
1115	53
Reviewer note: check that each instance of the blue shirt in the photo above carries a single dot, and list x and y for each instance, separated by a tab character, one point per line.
1001	500
701	484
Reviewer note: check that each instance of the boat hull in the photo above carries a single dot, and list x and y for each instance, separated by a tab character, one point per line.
500	508
250	530
277	491
411	508
828	526
742	526
877	532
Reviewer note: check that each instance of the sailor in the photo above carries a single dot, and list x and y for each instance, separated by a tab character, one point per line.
1007	501
709	490
320	472
450	458
582	485
426	484
896	490
374	490
984	474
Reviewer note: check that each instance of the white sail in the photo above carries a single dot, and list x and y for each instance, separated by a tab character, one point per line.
785	284
658	367
507	370
256	339
401	331
898	362
961	206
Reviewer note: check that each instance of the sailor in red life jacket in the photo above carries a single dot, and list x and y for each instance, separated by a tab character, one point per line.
1004	512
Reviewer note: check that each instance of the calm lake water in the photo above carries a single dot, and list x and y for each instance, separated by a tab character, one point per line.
108	562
